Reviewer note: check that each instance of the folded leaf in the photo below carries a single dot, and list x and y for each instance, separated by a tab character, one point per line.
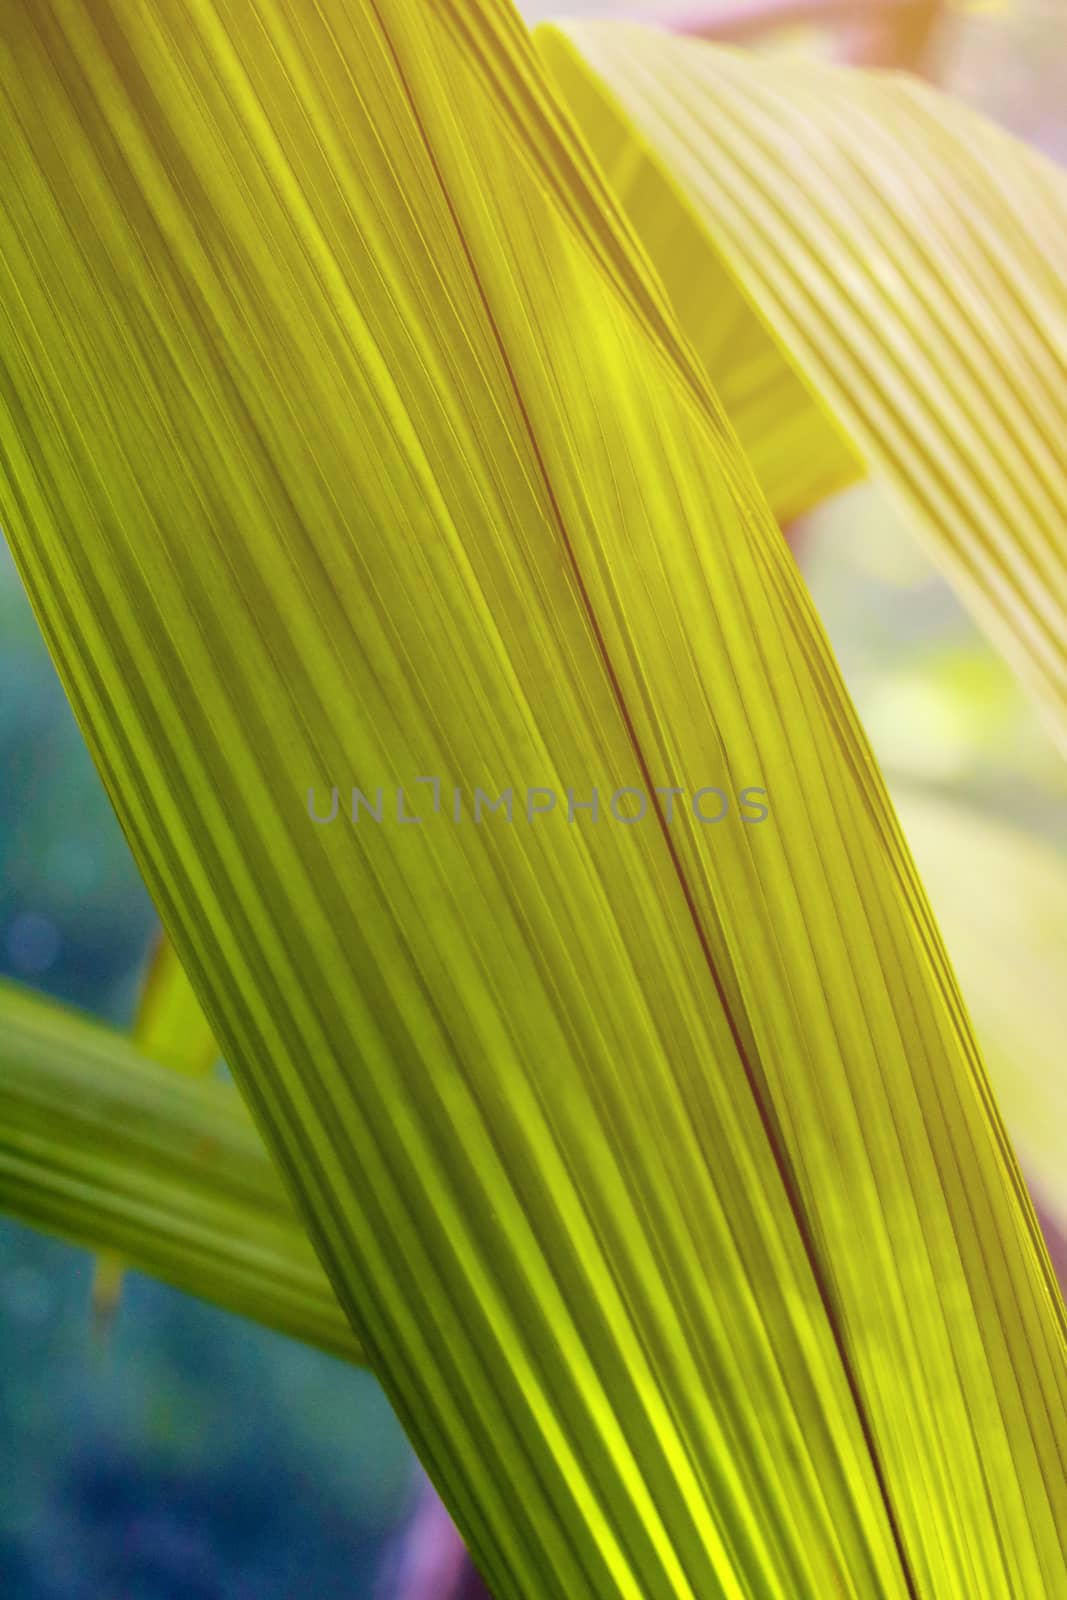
107	1148
349	442
906	256
798	450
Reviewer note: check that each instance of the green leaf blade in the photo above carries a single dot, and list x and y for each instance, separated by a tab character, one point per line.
107	1148
899	248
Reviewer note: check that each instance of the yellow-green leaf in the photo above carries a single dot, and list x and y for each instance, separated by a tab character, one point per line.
1001	901
799	452
907	257
107	1148
349	441
170	1025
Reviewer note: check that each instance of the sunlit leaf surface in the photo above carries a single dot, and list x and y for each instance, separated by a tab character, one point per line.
908	258
348	441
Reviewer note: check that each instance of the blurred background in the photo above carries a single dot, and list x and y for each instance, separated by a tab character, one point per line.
173	1452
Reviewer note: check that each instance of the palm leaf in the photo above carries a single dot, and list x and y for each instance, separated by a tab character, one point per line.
348	439
99	1146
108	1149
904	255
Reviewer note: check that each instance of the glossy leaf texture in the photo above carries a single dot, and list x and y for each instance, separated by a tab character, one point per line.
349	440
107	1148
907	259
